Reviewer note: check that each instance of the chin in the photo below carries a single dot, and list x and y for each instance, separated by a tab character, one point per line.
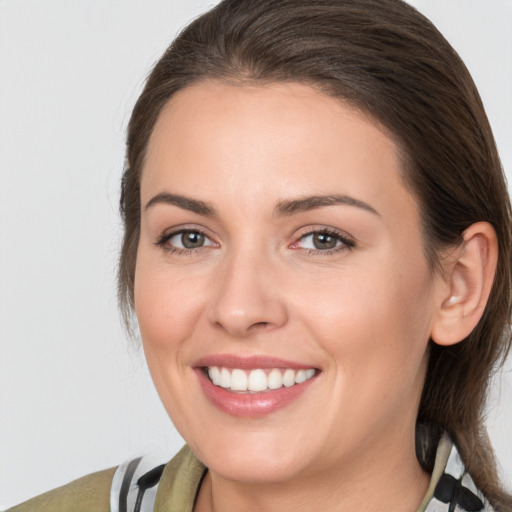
260	470
257	461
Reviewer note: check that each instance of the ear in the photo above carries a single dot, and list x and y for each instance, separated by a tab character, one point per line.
466	284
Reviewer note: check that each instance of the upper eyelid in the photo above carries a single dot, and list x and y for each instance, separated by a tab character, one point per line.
311	230
181	228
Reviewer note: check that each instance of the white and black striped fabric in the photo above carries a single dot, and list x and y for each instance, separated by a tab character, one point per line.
135	484
455	490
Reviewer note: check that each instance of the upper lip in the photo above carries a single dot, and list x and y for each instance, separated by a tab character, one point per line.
249	363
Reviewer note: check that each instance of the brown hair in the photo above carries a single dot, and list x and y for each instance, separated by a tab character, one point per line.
388	60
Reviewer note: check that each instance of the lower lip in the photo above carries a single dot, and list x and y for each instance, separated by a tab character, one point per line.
246	405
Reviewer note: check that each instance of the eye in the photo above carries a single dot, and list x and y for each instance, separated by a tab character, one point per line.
323	241
186	240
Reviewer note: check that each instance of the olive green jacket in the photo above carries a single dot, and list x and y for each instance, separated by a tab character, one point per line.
176	491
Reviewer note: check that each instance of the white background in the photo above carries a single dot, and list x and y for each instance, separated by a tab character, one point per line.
75	396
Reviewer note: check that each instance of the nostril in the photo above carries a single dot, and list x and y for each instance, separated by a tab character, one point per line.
259	325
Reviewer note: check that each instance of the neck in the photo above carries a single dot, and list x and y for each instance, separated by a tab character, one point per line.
392	480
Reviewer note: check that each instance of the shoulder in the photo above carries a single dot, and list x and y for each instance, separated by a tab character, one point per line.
90	493
138	484
143	484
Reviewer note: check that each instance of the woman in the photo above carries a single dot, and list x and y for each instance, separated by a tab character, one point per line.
317	249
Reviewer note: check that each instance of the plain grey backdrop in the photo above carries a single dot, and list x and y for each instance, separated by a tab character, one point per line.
75	396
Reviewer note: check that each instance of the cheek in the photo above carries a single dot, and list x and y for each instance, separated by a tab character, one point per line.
377	317
167	303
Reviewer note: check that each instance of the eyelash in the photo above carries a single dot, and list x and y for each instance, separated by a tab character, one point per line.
164	239
345	242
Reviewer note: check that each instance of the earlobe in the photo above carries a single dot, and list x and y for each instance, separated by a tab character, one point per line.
467	283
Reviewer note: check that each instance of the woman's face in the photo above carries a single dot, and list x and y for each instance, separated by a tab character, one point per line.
278	242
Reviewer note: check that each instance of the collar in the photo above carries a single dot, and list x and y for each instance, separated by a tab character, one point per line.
451	487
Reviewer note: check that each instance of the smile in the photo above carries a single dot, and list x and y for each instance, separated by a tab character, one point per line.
257	380
254	386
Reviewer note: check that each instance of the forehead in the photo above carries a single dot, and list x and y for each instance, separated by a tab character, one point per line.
241	111
281	139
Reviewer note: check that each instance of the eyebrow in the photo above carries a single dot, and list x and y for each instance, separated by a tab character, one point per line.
290	207
282	209
187	203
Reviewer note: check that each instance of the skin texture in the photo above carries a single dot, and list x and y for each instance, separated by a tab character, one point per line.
361	314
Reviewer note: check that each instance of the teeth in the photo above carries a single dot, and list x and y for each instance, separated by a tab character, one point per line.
214	374
257	380
238	380
289	378
300	376
225	378
274	379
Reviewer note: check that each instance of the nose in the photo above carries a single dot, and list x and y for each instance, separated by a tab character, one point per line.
247	299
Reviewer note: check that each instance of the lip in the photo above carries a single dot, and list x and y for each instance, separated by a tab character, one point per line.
246	405
248	363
